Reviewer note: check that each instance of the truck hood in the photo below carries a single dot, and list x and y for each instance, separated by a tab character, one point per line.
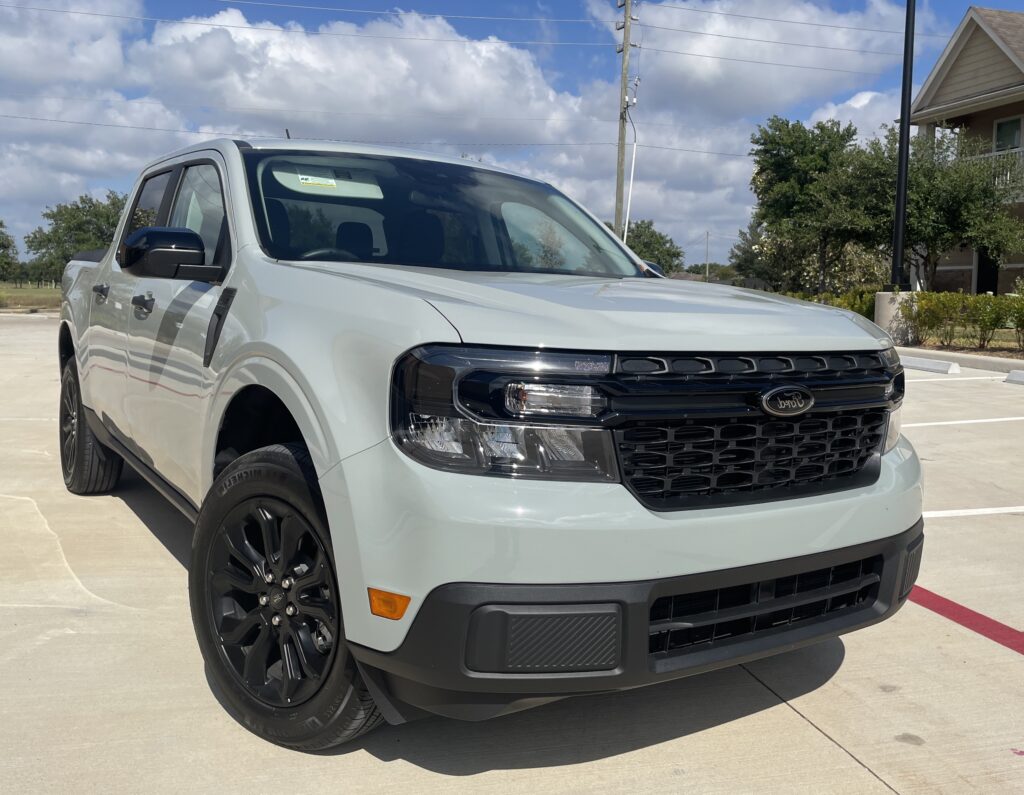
556	311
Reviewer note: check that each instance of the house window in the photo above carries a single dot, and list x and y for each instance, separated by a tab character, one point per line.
1008	134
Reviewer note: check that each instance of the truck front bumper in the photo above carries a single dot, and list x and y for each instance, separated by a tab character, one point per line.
478	650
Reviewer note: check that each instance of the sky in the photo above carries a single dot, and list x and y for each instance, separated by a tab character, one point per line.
536	92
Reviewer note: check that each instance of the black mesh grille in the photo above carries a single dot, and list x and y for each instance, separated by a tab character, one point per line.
681	622
776	367
673	465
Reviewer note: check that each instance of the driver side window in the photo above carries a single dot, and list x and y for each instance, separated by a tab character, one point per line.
199	206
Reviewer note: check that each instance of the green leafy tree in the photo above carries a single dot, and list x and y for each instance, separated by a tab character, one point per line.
723	274
955	197
9	265
809	205
85	223
657	247
770	259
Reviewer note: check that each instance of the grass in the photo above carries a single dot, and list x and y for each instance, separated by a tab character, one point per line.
12	297
1004	343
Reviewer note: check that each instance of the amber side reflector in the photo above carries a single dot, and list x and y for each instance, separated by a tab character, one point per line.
386	604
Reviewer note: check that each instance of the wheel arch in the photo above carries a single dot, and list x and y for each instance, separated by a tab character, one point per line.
259	403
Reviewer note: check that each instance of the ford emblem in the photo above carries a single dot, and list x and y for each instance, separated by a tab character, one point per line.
787	401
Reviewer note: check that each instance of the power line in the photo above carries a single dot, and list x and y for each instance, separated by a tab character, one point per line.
418	38
765	63
588	20
797	21
303	31
237	134
765	41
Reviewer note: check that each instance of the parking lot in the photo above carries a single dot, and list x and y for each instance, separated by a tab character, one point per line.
102	686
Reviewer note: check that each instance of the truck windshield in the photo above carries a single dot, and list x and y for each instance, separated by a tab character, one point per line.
404	211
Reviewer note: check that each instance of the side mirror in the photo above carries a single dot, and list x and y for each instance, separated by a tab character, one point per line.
654	266
167	253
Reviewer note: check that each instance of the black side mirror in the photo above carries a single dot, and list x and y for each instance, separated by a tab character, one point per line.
654	266
167	253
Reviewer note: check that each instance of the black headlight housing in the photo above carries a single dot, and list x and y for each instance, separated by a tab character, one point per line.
504	412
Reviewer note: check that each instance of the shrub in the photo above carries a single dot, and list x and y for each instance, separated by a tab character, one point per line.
861	300
1015	311
984	315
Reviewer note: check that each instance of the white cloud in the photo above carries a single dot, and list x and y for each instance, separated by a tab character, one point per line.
866	110
325	83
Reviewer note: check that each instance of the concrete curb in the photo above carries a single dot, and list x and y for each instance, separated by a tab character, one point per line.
1015	377
930	365
996	364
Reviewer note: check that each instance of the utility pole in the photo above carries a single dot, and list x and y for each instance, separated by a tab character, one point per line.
900	221
707	264
632	164
625	26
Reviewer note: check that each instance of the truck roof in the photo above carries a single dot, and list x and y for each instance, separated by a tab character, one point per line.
227	146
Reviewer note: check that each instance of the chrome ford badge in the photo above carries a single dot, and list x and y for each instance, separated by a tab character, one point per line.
787	401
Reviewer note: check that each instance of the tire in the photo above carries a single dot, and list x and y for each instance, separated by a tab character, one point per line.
88	466
262	554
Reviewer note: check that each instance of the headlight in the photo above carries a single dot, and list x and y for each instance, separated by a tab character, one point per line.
501	412
889	357
892	434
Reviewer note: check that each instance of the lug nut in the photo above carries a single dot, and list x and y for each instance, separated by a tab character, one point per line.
269	576
290	610
276	620
264	599
287	583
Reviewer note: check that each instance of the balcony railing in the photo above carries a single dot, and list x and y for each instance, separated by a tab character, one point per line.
1007	165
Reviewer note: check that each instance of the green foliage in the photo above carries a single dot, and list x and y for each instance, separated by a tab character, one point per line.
85	223
9	265
657	247
861	301
723	274
955	197
986	313
824	212
809	203
1016	310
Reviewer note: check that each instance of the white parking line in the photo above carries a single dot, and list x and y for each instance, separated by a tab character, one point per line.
954	380
960	422
972	512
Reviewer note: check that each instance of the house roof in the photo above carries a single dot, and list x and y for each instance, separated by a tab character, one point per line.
984	33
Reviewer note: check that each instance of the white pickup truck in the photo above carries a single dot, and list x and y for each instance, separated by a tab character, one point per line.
451	448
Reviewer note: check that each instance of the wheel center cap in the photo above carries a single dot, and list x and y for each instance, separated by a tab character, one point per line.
278	598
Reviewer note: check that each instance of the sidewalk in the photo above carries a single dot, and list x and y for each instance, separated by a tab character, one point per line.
996	364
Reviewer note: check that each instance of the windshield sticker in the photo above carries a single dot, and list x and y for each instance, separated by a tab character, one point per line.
317	181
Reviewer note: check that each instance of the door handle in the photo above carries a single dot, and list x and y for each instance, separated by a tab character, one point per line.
102	290
143	303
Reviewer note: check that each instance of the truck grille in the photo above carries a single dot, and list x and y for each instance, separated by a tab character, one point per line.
675	465
691	432
681	622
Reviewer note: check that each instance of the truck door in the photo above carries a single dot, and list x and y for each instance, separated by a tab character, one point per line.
168	384
105	368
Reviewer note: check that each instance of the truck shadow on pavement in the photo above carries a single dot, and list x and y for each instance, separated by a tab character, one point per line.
568	732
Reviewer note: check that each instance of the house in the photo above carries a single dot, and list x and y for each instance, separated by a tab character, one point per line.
977	86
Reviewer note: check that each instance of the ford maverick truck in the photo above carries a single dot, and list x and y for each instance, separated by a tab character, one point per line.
450	447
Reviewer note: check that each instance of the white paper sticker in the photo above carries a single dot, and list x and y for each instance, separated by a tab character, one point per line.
317	181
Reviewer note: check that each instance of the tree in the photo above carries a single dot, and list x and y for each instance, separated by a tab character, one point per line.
9	265
723	274
657	247
808	203
83	224
773	260
955	197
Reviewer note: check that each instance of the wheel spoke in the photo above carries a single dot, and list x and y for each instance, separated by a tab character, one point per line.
255	669
230	579
291	671
235	633
243	552
312	661
292	530
320	609
269	530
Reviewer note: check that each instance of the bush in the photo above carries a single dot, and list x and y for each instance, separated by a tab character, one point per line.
861	300
984	314
1015	311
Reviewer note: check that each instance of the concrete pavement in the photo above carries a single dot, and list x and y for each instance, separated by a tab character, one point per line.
102	686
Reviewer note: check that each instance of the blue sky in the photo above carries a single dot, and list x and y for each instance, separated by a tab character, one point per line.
695	115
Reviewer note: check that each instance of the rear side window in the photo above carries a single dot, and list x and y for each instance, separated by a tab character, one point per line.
199	206
148	204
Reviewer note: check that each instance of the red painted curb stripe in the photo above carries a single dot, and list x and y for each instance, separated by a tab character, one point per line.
965	617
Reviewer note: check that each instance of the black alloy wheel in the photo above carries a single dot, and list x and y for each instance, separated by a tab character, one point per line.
273	602
68	421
